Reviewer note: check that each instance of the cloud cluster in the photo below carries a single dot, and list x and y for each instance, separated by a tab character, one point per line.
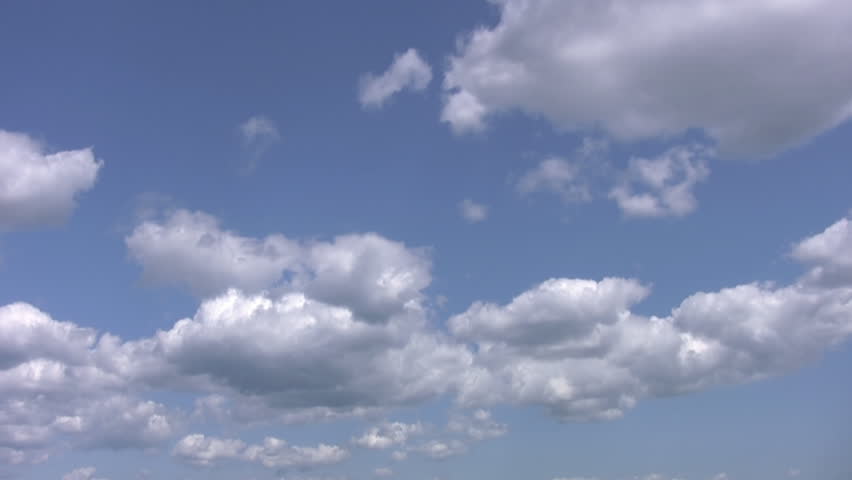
662	185
757	76
272	452
39	188
319	347
407	72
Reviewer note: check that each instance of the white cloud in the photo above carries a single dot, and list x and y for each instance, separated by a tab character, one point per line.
276	453
408	71
439	449
473	212
407	364
273	452
576	348
373	276
662	186
191	249
39	188
84	473
557	176
755	75
383	472
259	129
830	253
259	133
478	426
388	434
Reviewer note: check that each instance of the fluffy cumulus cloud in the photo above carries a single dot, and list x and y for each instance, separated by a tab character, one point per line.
473	212
407	72
38	188
576	348
373	276
663	185
191	249
657	68
272	452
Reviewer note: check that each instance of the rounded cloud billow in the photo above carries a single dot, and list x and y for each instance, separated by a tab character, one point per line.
757	76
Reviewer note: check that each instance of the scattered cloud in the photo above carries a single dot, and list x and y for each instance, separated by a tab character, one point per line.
38	188
662	186
383	472
661	68
556	176
473	212
258	134
407	72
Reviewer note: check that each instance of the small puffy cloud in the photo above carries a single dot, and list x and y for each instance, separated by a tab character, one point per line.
399	455
440	449
556	176
661	67
473	212
794	473
388	434
39	188
259	129
830	253
84	473
662	186
408	71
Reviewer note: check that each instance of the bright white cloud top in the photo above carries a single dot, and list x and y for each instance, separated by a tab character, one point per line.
38	188
739	70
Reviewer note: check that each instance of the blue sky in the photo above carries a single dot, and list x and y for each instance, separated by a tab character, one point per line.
426	240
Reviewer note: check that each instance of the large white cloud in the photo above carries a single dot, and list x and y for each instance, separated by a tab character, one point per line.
755	75
367	273
549	349
39	188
